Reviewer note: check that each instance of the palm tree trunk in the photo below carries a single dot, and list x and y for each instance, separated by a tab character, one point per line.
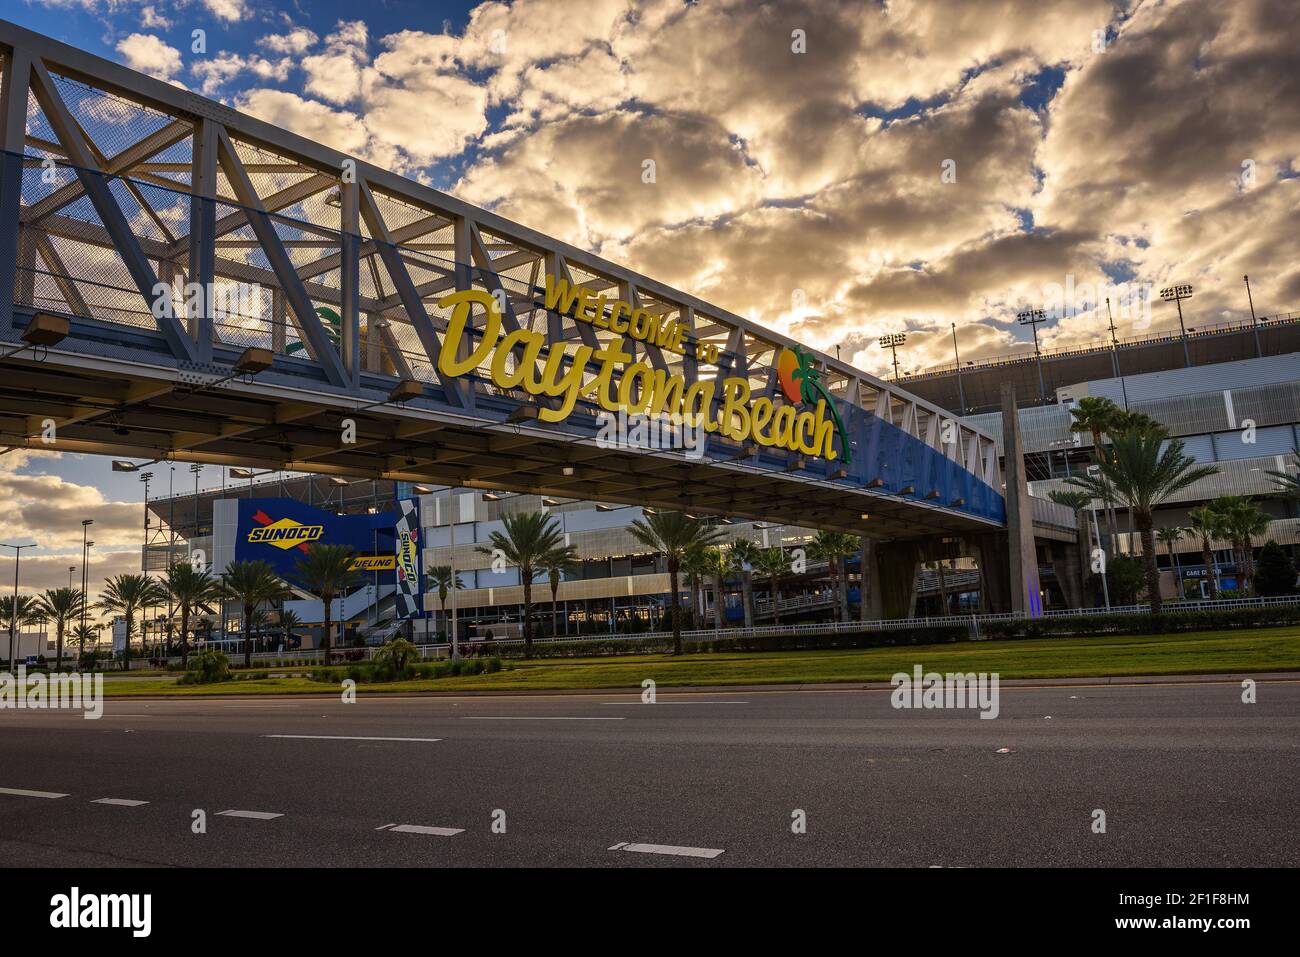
555	614
248	635
677	615
1207	556
185	645
328	610
842	573
747	596
528	614
1149	562
58	645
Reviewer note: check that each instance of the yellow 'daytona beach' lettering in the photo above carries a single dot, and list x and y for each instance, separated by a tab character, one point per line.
563	374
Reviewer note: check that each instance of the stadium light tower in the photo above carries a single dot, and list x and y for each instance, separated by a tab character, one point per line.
13	617
892	341
1253	320
1177	294
1031	318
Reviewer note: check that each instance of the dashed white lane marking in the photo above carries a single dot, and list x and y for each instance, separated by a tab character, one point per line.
255	815
343	737
119	802
20	792
520	717
421	829
706	852
633	703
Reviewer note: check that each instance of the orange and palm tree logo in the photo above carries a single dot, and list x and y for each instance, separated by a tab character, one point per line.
801	381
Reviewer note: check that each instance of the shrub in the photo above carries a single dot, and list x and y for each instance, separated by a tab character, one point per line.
207	667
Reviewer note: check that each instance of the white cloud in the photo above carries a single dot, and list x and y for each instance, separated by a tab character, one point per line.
148	54
231	11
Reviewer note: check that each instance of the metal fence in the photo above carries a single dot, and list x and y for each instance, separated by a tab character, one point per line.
973	623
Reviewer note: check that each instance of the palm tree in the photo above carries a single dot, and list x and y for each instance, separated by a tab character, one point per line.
772	563
255	583
326	571
835	547
289	620
743	554
1144	468
192	591
526	540
28	614
125	595
554	564
1076	501
1095	415
1207	525
444	579
1288	485
82	634
1170	536
696	566
61	605
673	535
1242	521
715	564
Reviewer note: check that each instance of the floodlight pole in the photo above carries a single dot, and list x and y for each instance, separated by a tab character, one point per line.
1259	353
1114	354
13	611
1031	318
961	391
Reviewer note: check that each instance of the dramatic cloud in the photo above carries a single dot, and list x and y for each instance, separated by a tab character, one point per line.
150	55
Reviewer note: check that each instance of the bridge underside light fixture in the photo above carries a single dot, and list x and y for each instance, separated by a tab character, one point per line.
122	465
840	474
907	490
864	516
45	330
406	390
338	481
421	489
603	507
253	360
550	502
492	497
959	502
567	470
876	483
797	464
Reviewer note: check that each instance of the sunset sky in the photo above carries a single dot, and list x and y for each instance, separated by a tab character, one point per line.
835	170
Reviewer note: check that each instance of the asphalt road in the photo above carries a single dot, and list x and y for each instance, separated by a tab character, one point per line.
1187	775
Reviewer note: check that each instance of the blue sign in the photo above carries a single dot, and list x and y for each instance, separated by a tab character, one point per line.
280	531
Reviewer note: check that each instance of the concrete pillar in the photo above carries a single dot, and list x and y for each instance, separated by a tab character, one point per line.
872	609
1023	566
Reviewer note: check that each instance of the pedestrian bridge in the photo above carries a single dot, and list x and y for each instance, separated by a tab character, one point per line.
180	281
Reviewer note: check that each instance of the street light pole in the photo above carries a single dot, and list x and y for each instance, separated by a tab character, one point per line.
85	525
1259	353
13	611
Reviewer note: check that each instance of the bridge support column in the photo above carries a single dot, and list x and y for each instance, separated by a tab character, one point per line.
872	608
897	571
13	138
1026	598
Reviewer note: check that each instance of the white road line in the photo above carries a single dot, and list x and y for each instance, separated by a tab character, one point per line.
633	703
119	802
19	792
707	852
520	717
255	815
421	829
343	737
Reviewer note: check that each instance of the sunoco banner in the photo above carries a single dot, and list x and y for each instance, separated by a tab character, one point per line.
408	559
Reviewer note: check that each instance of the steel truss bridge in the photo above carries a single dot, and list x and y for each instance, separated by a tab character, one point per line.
112	183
